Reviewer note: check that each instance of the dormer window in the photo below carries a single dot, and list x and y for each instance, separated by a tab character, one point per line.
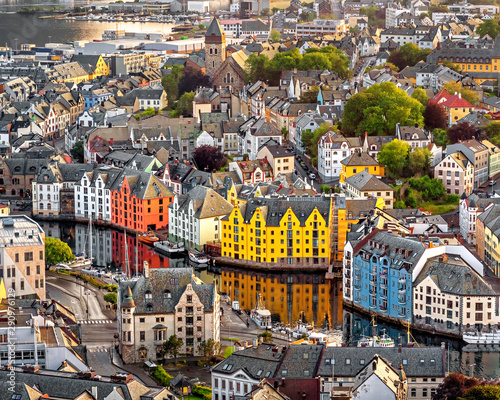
167	294
148	295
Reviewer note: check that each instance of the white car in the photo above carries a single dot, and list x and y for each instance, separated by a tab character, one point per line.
312	176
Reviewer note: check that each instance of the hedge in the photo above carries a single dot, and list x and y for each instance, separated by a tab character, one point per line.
160	376
202	391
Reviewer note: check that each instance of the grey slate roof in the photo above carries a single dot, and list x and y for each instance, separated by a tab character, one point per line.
410	357
206	203
300	362
362	159
26	166
260	362
214	29
275	209
365	181
160	280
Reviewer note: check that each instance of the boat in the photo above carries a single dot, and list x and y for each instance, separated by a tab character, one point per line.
477	337
376	341
148	238
198	257
166	246
261	315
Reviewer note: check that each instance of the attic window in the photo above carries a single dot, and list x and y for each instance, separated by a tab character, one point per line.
348	361
405	361
283	373
306	372
259	373
167	294
148	295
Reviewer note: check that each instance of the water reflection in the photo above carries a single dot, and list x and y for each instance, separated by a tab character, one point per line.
309	297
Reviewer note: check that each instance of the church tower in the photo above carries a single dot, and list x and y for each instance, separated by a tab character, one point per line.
215	48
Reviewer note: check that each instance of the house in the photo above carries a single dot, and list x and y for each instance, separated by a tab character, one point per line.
307	121
19	173
456	172
332	149
487	238
493	159
357	162
363	185
254	133
195	217
20	89
477	154
140	201
470	207
456	107
280	159
415	136
293	246
149	98
382	378
255	171
436	76
162	301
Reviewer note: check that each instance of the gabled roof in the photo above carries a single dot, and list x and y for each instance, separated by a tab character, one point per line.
360	158
215	29
364	181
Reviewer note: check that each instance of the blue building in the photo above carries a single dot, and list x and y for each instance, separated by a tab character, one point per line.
381	272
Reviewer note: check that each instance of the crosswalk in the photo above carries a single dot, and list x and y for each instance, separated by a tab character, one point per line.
95	321
97	349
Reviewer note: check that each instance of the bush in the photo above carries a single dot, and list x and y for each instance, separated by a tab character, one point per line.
431	189
452	199
160	376
411	200
110	298
400	204
111	288
325	189
202	391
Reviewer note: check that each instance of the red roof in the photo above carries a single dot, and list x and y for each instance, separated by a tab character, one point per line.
457	101
440	97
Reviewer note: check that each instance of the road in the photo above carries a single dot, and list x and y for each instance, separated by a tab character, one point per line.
301	172
365	62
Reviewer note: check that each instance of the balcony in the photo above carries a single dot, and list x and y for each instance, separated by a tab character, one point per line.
383	295
383	284
373	306
373	290
357	285
383	308
347	276
402	299
402	281
402	314
402	291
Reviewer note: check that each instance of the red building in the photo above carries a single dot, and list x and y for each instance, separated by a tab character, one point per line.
139	201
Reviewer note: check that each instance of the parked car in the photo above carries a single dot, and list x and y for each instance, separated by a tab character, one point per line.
312	175
493	183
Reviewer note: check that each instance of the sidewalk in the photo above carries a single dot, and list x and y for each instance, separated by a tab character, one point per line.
139	374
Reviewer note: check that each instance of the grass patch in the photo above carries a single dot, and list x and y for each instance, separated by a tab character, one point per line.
231	339
437	208
229	350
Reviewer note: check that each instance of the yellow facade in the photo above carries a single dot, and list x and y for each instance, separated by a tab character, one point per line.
101	69
458	113
472	67
350	170
290	243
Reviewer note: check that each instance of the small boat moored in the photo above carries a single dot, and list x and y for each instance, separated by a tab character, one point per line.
148	238
261	315
377	341
486	338
169	247
198	257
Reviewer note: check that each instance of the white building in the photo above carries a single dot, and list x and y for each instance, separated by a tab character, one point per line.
195	218
161	303
304	122
199	6
332	149
254	133
93	193
232	25
234	8
469	209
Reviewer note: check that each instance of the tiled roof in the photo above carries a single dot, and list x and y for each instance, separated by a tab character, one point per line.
360	158
364	181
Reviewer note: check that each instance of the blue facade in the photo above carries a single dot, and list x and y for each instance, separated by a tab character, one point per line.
382	274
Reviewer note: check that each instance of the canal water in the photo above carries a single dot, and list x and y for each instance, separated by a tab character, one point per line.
290	298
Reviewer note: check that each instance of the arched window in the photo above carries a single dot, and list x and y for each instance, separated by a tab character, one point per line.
215	51
149	307
228	77
49	206
211	51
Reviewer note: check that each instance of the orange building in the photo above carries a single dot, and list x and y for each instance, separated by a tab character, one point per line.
139	201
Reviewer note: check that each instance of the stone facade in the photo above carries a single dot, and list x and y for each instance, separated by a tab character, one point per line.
215	48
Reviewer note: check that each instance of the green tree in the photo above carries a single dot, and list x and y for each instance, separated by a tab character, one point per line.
393	156
467	94
310	138
285	133
275	35
172	346
489	27
266	336
201	27
185	104
77	152
420	95
170	83
419	160
110	298
378	109
209	348
311	96
150	111
452	66
408	55
161	376
315	60
486	392
56	251
492	130
265	12
258	67
355	29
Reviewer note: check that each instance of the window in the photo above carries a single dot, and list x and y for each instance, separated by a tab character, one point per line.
148	295
413	392
142	336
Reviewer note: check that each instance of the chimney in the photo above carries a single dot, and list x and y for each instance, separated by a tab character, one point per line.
445	258
460	95
94	391
399	348
146	270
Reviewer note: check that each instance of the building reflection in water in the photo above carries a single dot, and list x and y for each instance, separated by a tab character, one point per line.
289	297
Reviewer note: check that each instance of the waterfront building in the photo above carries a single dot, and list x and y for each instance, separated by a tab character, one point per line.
93	193
477	154
358	162
487	237
195	217
456	172
18	173
453	294
22	256
139	201
53	189
285	231
161	303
